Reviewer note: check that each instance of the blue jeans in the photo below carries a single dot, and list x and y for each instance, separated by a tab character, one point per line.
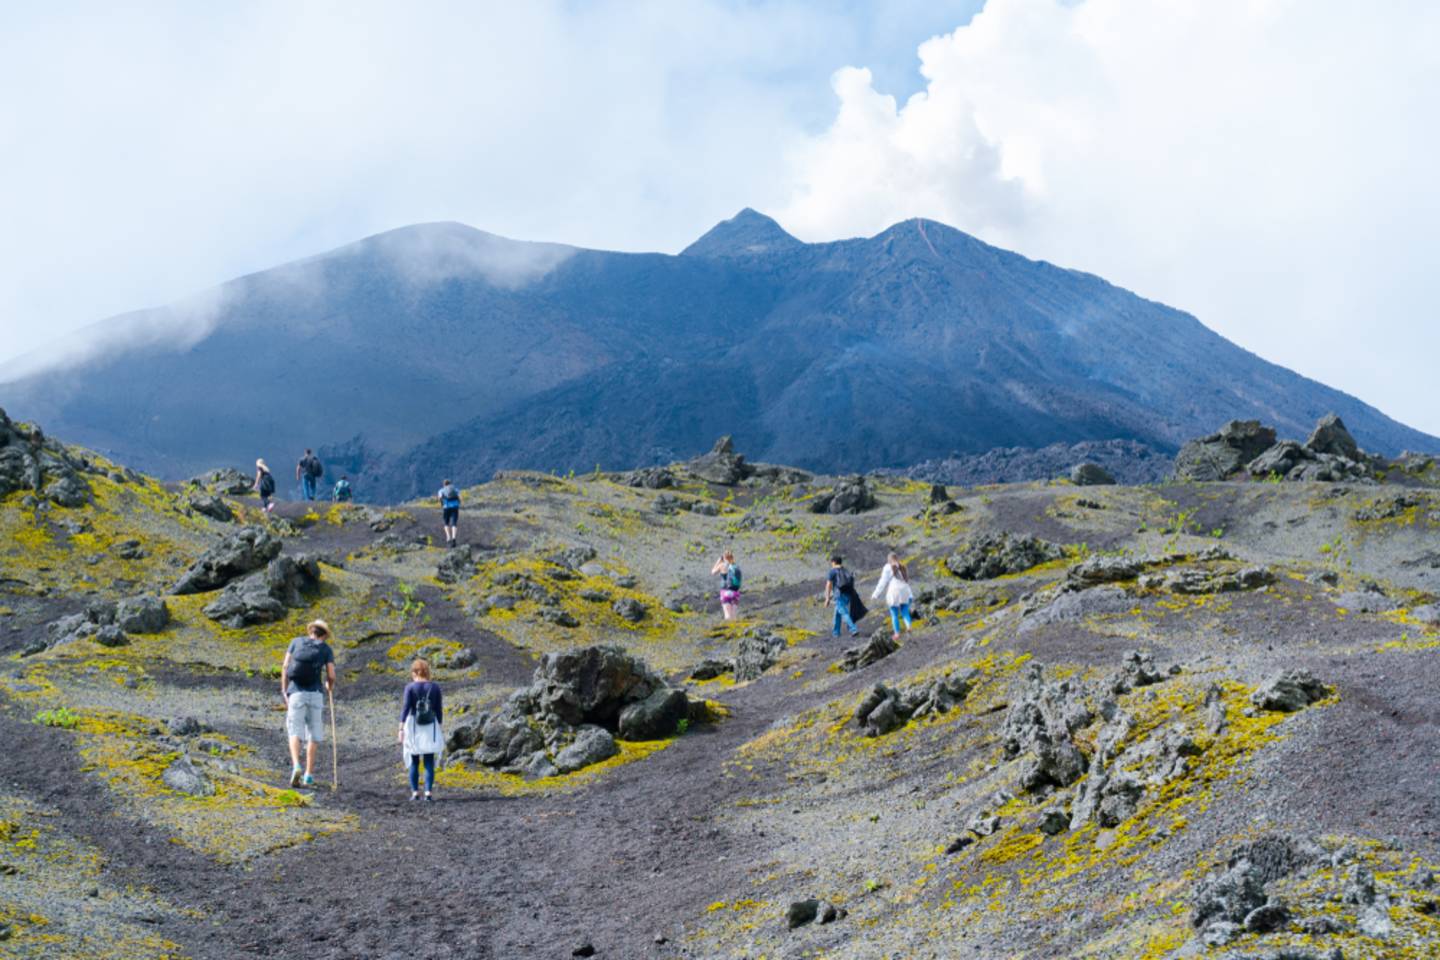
842	613
307	484
415	759
897	614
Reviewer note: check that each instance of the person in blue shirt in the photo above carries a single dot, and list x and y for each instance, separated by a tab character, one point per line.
449	497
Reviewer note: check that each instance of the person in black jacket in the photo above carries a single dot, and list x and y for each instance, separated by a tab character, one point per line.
840	590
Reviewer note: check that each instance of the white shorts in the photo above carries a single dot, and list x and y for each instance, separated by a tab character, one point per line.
305	715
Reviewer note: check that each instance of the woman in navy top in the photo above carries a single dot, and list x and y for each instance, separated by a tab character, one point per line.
420	734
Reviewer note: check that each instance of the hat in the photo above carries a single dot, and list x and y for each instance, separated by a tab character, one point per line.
320	626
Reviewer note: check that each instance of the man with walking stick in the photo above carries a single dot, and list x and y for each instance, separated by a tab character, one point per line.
306	676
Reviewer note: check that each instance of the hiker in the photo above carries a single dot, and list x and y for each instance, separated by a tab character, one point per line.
894	585
342	492
421	711
449	497
307	673
265	486
840	590
729	572
309	470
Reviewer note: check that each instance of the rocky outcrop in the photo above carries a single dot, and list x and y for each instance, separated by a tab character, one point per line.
885	708
757	650
1289	691
577	703
227	482
210	506
142	614
803	912
456	566
877	648
1330	437
1237	900
851	495
31	461
266	597
246	550
993	555
1329	455
1224	453
1039	727
1091	475
722	465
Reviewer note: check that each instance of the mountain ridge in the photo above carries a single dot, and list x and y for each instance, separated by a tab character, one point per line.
440	348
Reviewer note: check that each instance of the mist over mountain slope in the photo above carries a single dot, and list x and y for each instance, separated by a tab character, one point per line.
438	348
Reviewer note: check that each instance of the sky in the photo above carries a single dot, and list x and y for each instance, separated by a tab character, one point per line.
1264	164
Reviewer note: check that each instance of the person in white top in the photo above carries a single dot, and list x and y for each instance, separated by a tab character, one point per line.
894	585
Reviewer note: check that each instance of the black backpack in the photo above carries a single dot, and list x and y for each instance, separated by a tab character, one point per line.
313	468
305	666
424	712
267	484
844	580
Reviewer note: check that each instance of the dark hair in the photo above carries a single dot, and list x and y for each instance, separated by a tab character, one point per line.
446	483
308	450
837	560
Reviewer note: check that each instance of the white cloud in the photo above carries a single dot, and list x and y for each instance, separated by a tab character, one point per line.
1265	164
150	151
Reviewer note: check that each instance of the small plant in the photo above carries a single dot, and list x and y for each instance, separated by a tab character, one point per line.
682	726
1218	532
580	527
289	798
409	606
872	885
1274	477
60	717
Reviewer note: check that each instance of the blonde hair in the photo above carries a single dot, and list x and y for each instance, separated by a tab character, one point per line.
261	464
420	668
728	555
320	628
898	567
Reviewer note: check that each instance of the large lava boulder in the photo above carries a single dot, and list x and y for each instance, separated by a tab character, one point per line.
592	685
246	550
1330	436
722	465
1223	454
993	555
578	702
851	495
265	597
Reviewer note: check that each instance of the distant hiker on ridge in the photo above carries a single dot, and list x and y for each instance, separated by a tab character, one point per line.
449	497
729	573
840	590
894	585
264	486
309	470
308	671
421	710
342	491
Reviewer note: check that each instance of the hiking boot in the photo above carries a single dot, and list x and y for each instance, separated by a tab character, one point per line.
295	775
309	781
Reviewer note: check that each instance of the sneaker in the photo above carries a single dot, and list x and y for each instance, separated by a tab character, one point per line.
309	781
295	777
414	797
429	799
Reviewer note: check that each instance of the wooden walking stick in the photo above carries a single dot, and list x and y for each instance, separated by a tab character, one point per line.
334	745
